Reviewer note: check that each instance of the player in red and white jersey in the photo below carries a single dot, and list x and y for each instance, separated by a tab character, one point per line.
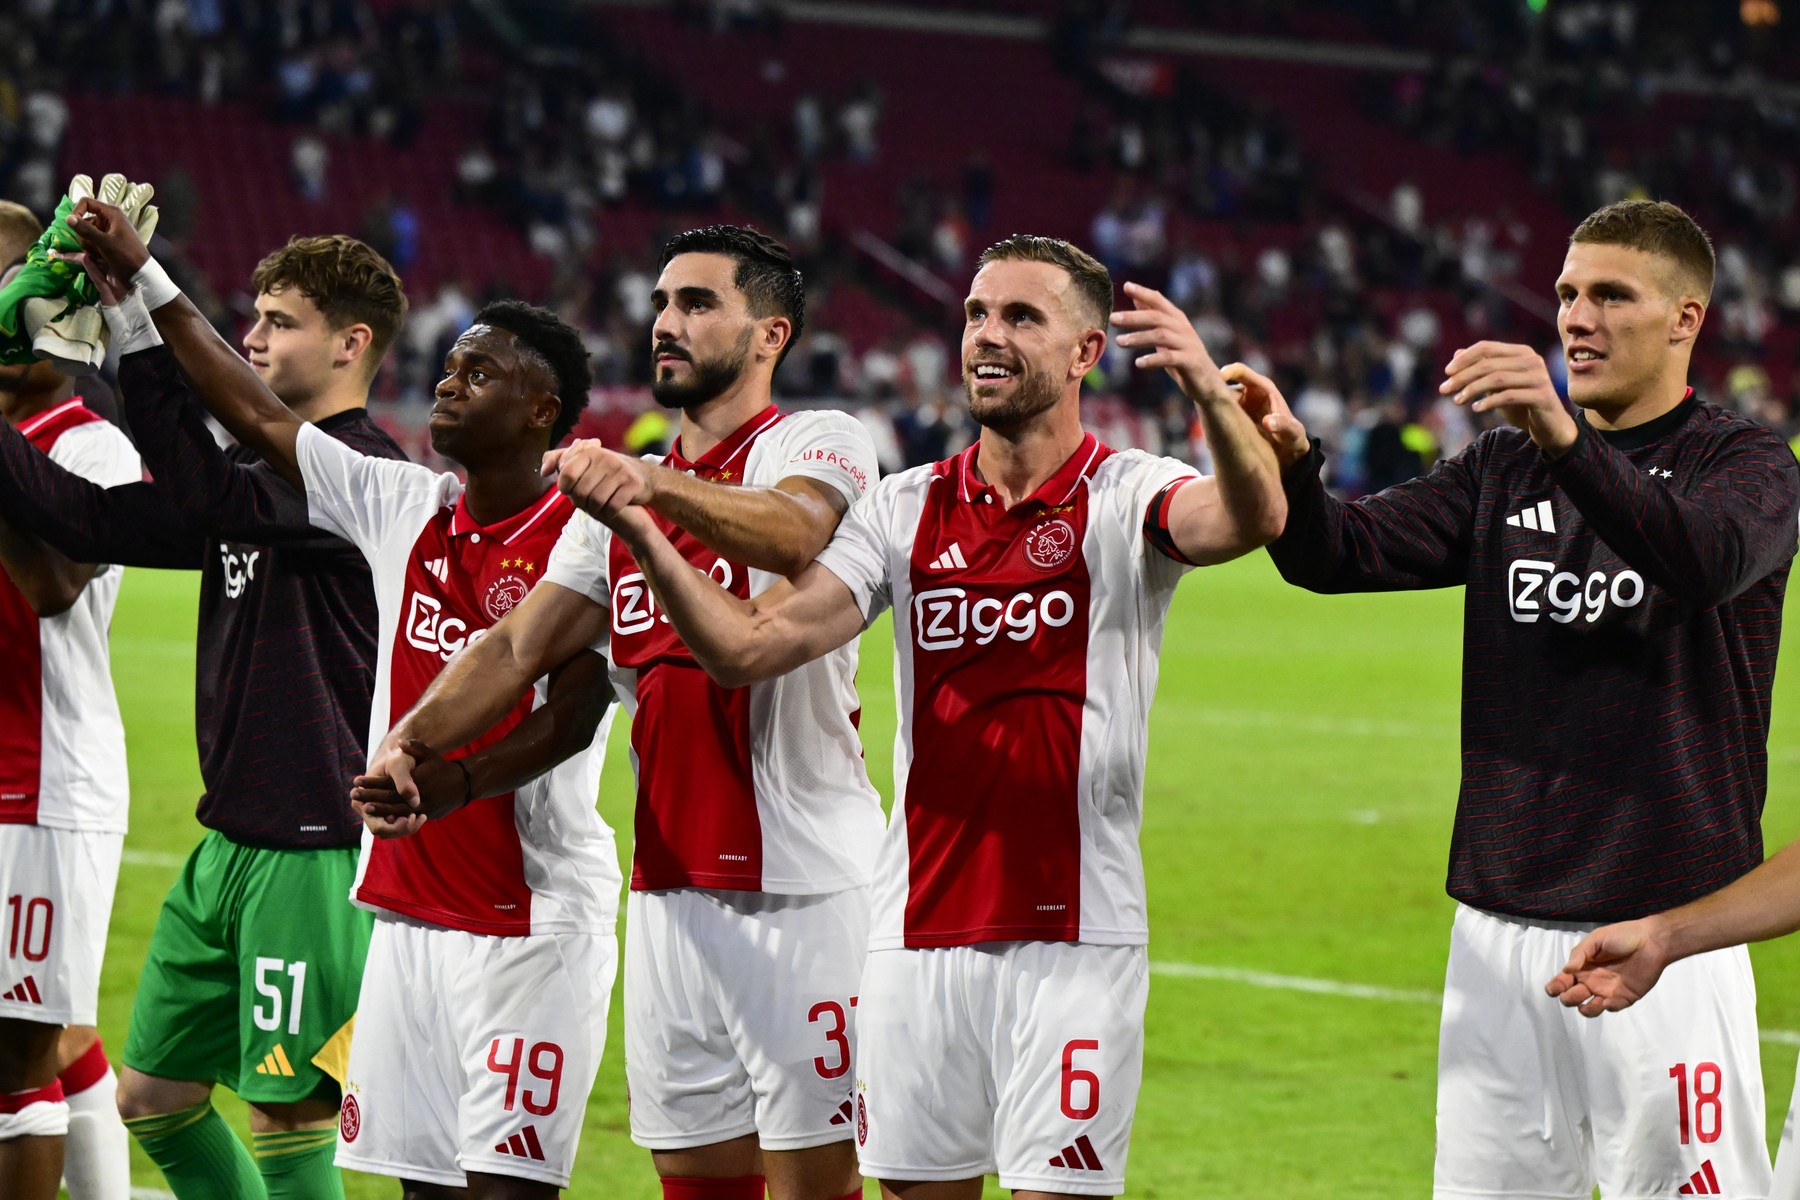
482	1013
1002	1005
756	825
63	788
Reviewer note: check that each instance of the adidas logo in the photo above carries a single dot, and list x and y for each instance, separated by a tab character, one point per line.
275	1062
1538	517
1079	1157
24	992
844	1115
950	559
439	567
523	1144
1702	1182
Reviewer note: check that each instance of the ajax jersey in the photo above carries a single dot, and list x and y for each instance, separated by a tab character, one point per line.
537	860
758	788
62	747
1026	658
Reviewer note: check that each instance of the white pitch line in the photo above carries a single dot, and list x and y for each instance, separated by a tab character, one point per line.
151	858
1355	991
138	1193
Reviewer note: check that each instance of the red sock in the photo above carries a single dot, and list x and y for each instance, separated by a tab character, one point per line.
741	1187
85	1071
856	1195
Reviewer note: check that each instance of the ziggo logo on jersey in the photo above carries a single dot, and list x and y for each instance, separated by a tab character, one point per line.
429	630
943	617
1533	587
634	604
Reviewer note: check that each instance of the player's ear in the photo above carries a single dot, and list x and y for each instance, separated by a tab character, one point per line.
1087	353
353	341
1690	314
546	406
772	336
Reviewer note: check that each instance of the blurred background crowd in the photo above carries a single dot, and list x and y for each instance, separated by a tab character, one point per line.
1339	193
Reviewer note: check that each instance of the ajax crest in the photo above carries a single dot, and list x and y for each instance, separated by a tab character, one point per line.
504	594
350	1119
1049	545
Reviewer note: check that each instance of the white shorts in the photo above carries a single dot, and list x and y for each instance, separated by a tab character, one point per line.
740	1016
57	888
474	1053
1536	1100
1017	1058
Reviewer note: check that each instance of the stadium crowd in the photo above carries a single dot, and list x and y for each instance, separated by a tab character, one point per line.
1214	198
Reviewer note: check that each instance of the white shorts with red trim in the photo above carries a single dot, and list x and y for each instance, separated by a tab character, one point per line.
57	887
1535	1100
474	1053
41	1112
740	1015
1021	1059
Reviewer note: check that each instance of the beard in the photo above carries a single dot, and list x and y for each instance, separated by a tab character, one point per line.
711	377
1032	393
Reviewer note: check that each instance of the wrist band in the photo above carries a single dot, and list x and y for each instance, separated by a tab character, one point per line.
468	780
154	285
129	325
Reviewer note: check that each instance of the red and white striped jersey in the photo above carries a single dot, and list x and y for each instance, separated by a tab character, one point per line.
759	788
540	859
1026	657
62	747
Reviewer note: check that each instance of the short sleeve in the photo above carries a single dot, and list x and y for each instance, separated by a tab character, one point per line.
831	447
360	497
579	560
858	552
100	453
1151	487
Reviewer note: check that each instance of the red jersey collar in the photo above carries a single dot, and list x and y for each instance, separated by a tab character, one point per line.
1057	490
723	458
512	528
33	424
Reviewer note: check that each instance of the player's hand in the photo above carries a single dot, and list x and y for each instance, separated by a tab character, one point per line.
407	784
1513	381
1264	404
603	483
1157	325
1612	968
106	231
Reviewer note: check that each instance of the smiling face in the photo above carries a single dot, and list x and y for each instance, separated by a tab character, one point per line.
497	399
1628	319
293	347
701	341
1026	341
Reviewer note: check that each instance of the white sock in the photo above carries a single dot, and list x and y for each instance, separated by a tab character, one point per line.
97	1155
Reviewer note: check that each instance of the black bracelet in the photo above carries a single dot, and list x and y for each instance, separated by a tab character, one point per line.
468	781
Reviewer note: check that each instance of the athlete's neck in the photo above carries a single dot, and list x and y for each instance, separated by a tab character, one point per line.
1017	462
339	397
704	426
501	490
1664	396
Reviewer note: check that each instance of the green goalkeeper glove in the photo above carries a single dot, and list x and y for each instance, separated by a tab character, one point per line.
48	310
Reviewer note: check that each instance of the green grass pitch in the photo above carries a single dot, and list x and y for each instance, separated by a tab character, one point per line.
1297	817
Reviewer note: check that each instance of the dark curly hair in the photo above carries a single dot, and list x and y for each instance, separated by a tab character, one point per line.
558	346
765	271
349	282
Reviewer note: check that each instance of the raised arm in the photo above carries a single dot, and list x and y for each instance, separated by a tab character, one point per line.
1614	966
1413	535
132	524
222	379
1240	506
740	641
1705	543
